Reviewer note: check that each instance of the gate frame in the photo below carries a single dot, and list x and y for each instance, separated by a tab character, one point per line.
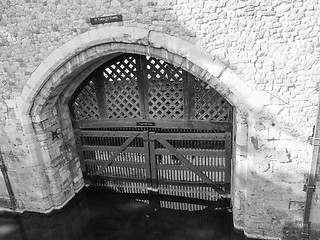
150	151
56	78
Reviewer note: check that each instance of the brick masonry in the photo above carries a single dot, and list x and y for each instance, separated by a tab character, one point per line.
263	56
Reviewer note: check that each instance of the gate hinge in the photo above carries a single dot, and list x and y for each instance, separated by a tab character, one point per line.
309	188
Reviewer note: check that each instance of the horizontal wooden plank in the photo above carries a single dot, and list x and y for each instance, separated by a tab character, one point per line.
182	167
100	133
189	152
116	164
111	149
159	166
193	152
189	136
126	179
192	184
196	186
161	123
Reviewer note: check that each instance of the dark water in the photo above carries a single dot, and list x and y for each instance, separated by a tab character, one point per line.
98	214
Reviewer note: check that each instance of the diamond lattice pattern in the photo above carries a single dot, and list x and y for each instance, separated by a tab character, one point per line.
209	104
165	90
121	89
85	106
165	93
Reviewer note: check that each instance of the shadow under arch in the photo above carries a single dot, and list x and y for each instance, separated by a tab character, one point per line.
46	94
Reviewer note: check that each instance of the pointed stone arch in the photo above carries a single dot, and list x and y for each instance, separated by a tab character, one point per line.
44	110
91	47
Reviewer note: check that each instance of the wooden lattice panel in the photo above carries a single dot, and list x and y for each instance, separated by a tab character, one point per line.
165	90
209	104
121	89
85	105
136	87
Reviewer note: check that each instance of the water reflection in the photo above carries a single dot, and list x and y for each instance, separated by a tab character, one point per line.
98	214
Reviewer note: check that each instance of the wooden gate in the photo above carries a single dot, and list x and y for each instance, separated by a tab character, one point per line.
193	165
145	125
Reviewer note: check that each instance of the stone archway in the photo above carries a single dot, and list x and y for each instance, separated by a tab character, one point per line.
45	115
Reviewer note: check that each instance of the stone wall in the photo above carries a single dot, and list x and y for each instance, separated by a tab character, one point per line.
270	47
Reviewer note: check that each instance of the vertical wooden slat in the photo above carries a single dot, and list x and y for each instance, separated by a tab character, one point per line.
142	81
153	161
188	98
228	157
146	148
99	85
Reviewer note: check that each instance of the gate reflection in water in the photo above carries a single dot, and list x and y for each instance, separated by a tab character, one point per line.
101	214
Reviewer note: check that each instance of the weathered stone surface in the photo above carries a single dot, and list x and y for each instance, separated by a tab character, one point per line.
261	55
